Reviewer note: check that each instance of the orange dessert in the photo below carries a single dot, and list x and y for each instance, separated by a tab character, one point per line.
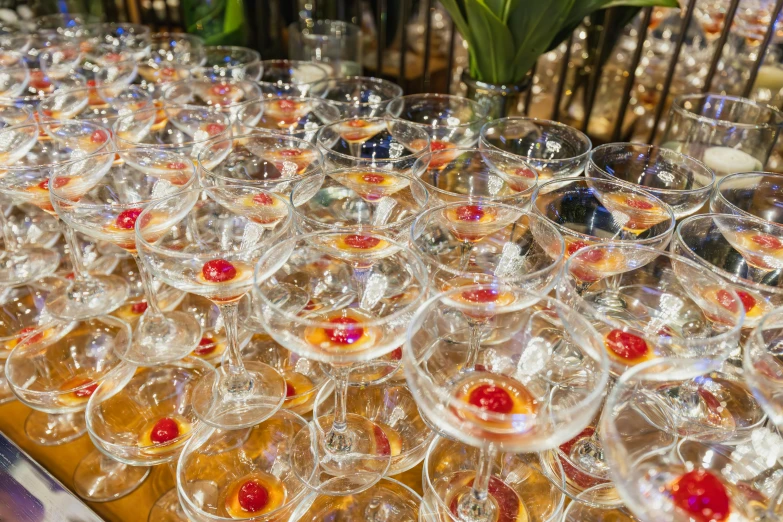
359	131
471	222
210	346
520	179
130	312
82	387
634	213
263	208
627	348
494	394
755	305
595	264
760	250
254	495
291	162
348	333
298	390
357	243
286	112
372	186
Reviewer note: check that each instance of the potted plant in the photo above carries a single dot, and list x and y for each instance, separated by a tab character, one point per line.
506	37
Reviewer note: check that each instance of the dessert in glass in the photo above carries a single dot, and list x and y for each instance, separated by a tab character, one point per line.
756	194
219	94
357	96
290	77
228	61
295	116
763	366
100	105
451	121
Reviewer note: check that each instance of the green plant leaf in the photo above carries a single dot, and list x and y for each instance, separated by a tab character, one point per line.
493	45
533	25
641	3
455	9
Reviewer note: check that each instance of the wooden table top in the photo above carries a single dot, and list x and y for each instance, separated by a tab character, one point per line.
61	462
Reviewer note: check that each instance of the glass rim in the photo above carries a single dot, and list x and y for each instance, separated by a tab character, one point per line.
679	101
382	161
567	280
539	122
144	95
393	87
117	138
598	355
264	100
664	152
480	111
565	231
524	212
76	200
717	194
414	262
351	227
293	63
172	87
733	278
757	337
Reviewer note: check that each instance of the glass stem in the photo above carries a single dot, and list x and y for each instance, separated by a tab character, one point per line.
338	440
11	245
74	253
361	275
149	289
237	380
474	346
476	507
464	255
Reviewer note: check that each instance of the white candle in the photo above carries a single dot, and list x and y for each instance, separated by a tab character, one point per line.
725	161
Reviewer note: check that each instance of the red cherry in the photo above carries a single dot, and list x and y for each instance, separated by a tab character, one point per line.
112	57
396	354
167	71
767	241
748	301
39	81
361	242
218	271
290	391
87	391
482	295
374	178
139	308
286	105
91	83
206	346
626	345
491	398
470	213
357	123
381	441
58	183
592	256
702	496
176	165
127	218
437	145
348	334
525	173
640	204
574	246
99	136
24	332
727	302
290	153
221	89
164	430
263	199
215	128
252	496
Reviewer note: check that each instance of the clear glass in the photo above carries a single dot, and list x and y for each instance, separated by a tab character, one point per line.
108	211
357	96
553	149
465	174
177	48
763	366
219	94
122	37
217	464
99	105
758	194
511	245
11	114
334	44
292	77
451	121
385	501
59	60
675	476
590	211
703	239
373	142
231	62
269	162
583	509
534	382
295	116
14	79
211	243
727	133
680	181
340	298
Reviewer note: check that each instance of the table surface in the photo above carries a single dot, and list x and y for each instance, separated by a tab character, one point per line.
61	462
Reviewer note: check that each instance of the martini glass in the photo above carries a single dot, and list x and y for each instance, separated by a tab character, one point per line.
178	48
357	96
295	116
451	121
518	482
465	174
262	161
57	367
219	94
701	239
662	474
212	241
590	211
137	418
303	287
59	60
137	179
536	384
100	105
373	142
764	367
553	149
758	194
680	181
226	61
245	473
121	37
290	77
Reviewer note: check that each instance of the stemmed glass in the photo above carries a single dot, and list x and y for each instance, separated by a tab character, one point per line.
763	367
11	114
680	181
57	367
340	298
101	105
535	384
758	194
226	61
59	60
13	77
662	473
553	149
290	77
463	174
137	179
358	96
727	133
269	162
590	211
119	37
26	179
211	242
451	121
373	142
172	56
219	94
382	501
295	116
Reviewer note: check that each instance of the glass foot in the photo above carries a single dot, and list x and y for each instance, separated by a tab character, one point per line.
167	509
385	501
49	429
99	478
161	339
217	406
98	295
26	265
362	465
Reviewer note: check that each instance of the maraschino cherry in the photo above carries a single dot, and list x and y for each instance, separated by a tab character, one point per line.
491	398
252	496
218	271
164	430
